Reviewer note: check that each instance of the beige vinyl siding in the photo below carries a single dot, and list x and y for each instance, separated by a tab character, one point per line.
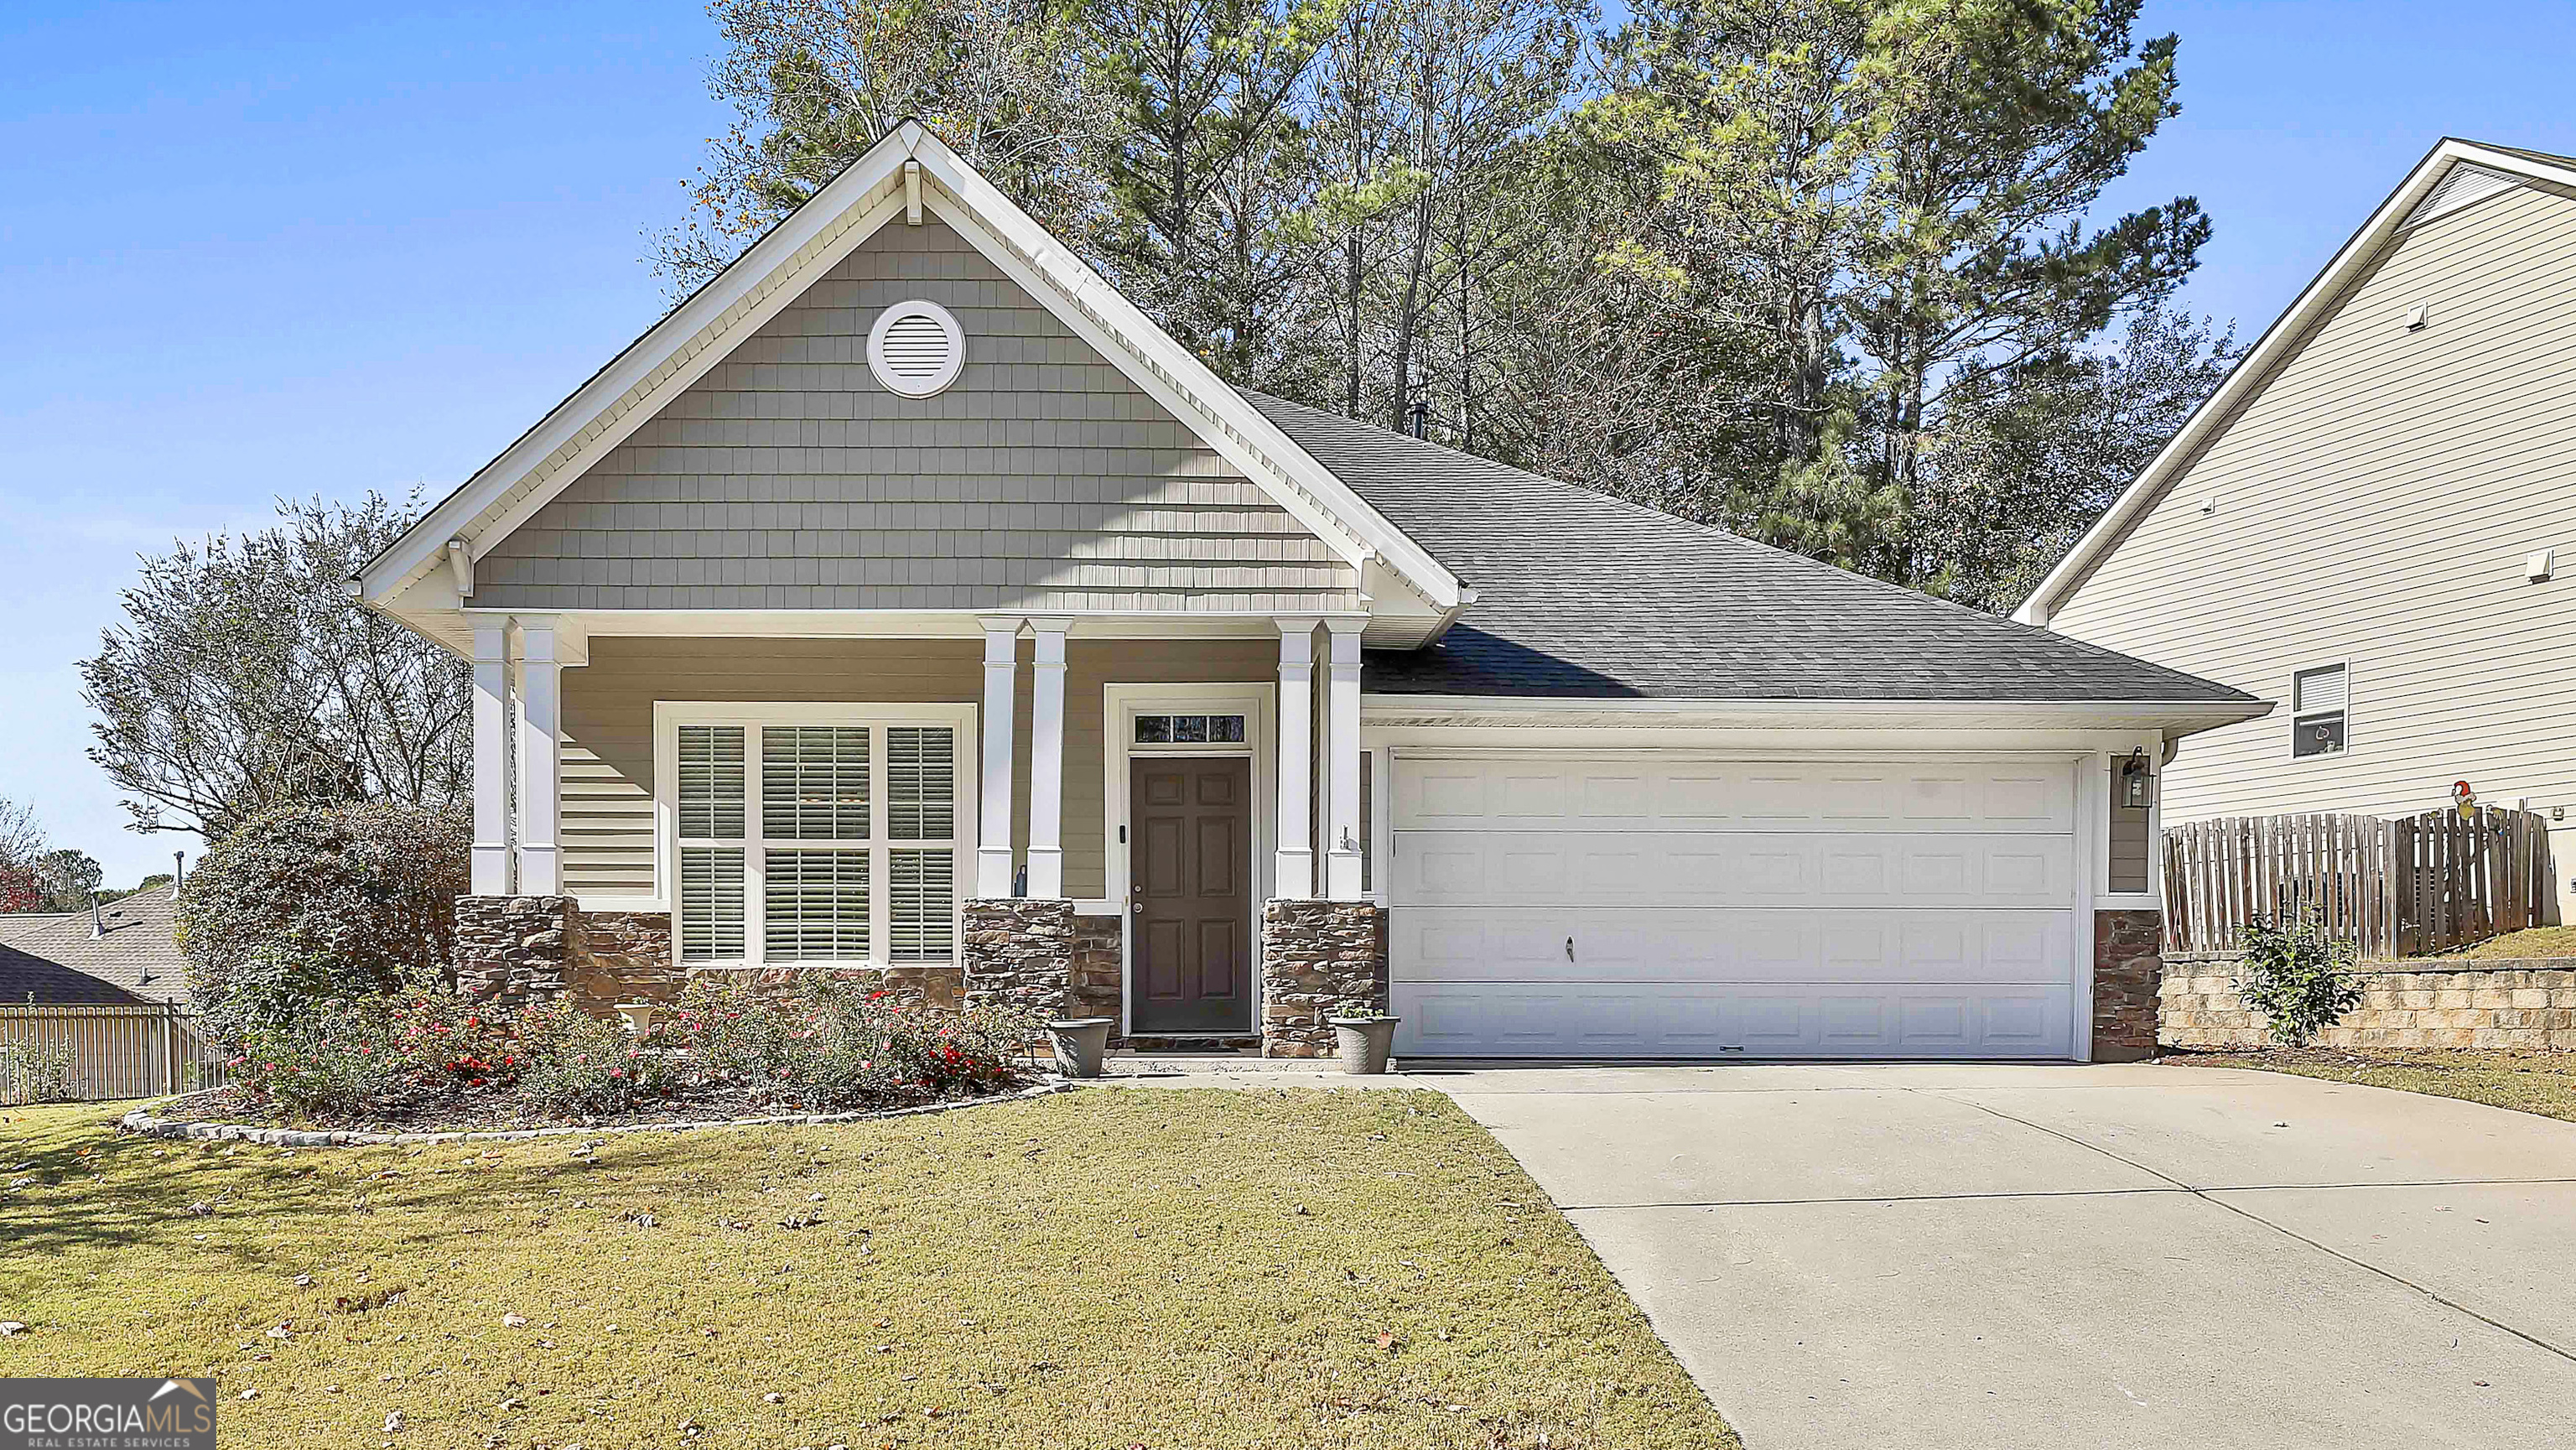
2374	504
2129	864
789	478
608	724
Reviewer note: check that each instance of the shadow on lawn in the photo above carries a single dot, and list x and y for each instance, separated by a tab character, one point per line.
270	1206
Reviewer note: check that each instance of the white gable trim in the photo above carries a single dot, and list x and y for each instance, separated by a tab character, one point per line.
698	334
2279	343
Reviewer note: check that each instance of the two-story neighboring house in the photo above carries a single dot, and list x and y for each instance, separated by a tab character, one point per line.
2373	523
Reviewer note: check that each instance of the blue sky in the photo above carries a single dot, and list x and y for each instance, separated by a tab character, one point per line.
251	250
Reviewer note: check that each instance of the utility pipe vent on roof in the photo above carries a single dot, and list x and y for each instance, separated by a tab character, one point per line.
916	348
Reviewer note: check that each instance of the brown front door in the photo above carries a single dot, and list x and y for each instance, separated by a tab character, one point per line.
1190	862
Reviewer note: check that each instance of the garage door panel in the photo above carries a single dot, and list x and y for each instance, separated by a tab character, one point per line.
1612	795
1678	1020
1748	944
1501	868
1638	905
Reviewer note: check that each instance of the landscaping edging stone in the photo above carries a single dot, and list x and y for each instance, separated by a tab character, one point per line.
142	1123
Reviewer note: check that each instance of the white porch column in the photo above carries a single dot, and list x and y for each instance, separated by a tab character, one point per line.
490	872
540	734
1342	761
1293	875
1046	762
993	811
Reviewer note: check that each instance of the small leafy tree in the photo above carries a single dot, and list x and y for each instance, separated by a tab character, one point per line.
319	904
243	679
22	841
2298	976
68	878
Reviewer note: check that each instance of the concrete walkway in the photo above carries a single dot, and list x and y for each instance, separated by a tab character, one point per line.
2000	1256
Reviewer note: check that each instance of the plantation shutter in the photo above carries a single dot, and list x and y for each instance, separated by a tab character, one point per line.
816	906
921	783
711	782
923	905
711	903
814	782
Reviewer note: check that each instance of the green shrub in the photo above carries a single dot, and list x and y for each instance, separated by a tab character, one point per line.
827	1046
38	1072
830	1044
339	1061
322	904
2298	976
579	1066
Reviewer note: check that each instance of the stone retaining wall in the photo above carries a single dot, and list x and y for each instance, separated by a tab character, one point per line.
2420	1002
1319	953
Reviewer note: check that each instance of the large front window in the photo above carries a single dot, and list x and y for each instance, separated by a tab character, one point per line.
816	840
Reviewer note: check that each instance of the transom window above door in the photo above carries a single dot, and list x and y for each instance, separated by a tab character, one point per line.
1189	730
816	841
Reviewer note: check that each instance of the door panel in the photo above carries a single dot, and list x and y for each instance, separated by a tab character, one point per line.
1191	902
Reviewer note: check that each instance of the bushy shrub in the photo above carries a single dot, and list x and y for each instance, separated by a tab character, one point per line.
322	904
579	1066
338	1061
827	1046
2298	976
38	1072
830	1043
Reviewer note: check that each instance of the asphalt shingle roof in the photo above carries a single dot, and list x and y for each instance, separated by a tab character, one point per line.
57	959
1583	595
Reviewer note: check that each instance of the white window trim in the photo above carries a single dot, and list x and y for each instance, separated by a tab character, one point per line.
2290	699
670	715
1120	705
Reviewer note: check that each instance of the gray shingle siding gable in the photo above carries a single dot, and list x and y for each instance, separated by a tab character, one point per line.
788	478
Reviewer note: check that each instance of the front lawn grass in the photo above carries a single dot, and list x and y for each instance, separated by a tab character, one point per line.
2530	1082
1109	1268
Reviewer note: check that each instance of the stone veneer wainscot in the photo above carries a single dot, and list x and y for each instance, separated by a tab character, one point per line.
1319	954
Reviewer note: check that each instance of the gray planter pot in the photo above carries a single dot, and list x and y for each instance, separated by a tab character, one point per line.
1080	1044
1365	1043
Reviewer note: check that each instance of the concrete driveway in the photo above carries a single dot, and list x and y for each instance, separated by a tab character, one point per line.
2003	1256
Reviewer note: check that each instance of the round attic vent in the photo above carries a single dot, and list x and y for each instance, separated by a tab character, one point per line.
916	348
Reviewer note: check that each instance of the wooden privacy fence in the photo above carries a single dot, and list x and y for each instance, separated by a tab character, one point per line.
2394	888
97	1054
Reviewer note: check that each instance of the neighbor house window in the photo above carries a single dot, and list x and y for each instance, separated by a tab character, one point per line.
804	843
2318	699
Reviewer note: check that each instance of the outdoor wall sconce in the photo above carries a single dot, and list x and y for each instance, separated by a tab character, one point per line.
2137	786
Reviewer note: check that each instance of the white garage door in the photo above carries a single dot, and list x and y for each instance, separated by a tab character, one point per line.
1564	905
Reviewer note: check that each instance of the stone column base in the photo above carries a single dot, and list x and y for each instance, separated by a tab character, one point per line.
1317	954
1018	951
513	949
2128	973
